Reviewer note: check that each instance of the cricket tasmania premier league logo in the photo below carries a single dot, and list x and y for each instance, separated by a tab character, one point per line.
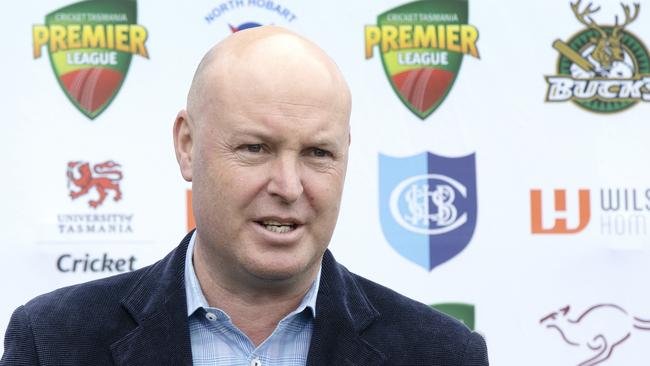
90	45
422	45
603	68
428	205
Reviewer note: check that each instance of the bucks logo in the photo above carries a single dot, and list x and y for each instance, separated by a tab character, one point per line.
422	45
603	68
90	45
428	206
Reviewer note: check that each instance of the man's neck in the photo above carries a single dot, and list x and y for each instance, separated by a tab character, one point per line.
255	310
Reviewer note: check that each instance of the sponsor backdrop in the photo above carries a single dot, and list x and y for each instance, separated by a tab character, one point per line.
496	171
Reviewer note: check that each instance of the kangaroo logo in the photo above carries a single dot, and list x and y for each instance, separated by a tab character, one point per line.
103	177
601	328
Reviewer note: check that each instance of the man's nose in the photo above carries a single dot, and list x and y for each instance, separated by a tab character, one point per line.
285	181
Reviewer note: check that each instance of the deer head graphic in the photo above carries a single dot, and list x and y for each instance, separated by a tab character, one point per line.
608	48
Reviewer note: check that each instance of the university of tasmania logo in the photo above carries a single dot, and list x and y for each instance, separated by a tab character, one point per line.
94	185
103	178
427	206
602	68
90	45
422	45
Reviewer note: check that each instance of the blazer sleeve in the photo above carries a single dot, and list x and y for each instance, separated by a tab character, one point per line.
20	348
475	351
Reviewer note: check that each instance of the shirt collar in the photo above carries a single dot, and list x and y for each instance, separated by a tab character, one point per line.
196	299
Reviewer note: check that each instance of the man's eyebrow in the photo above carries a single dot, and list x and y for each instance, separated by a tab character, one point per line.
324	143
258	132
317	140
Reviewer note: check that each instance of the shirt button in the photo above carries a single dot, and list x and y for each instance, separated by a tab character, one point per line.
256	362
211	317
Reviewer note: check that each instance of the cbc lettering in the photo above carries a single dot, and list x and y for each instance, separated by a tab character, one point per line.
68	263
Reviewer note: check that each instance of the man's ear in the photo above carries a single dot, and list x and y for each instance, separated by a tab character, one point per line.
183	143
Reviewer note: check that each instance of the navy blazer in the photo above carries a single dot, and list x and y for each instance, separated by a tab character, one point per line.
140	318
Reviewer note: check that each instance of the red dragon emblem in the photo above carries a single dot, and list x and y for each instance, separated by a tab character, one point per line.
103	177
600	329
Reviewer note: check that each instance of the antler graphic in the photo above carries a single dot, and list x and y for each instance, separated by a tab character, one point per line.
629	18
584	16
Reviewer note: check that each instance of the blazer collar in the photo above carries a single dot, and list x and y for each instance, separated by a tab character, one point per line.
157	303
344	312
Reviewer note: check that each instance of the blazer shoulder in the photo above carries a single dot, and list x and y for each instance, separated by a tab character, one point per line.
19	342
85	317
393	305
406	325
80	324
98	295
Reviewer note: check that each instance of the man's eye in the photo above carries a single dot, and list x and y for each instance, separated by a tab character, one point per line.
320	153
254	148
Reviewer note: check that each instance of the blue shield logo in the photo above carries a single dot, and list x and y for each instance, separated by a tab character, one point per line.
428	205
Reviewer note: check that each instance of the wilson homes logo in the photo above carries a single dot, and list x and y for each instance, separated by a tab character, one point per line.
90	45
422	45
602	68
619	211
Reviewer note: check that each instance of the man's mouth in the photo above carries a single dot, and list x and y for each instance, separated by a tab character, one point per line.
277	227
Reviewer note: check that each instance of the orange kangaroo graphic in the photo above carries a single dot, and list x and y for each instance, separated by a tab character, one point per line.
103	177
601	328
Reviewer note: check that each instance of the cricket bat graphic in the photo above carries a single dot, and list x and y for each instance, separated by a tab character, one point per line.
572	55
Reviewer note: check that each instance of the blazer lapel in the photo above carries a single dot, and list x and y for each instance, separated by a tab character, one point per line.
157	303
342	313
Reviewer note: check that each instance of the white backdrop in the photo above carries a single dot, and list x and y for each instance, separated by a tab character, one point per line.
496	109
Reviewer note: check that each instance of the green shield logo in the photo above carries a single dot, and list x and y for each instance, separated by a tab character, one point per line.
460	311
90	45
422	45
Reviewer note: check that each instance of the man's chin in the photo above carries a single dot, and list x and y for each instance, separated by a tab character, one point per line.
283	271
278	273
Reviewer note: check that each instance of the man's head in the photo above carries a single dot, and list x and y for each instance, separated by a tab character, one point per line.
264	141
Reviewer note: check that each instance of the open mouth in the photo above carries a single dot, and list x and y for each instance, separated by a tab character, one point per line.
277	227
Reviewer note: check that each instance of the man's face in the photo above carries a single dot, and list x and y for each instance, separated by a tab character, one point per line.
269	161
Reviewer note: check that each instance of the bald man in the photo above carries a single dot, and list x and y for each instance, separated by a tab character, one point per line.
264	140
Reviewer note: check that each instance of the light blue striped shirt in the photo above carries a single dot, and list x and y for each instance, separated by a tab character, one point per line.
217	341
